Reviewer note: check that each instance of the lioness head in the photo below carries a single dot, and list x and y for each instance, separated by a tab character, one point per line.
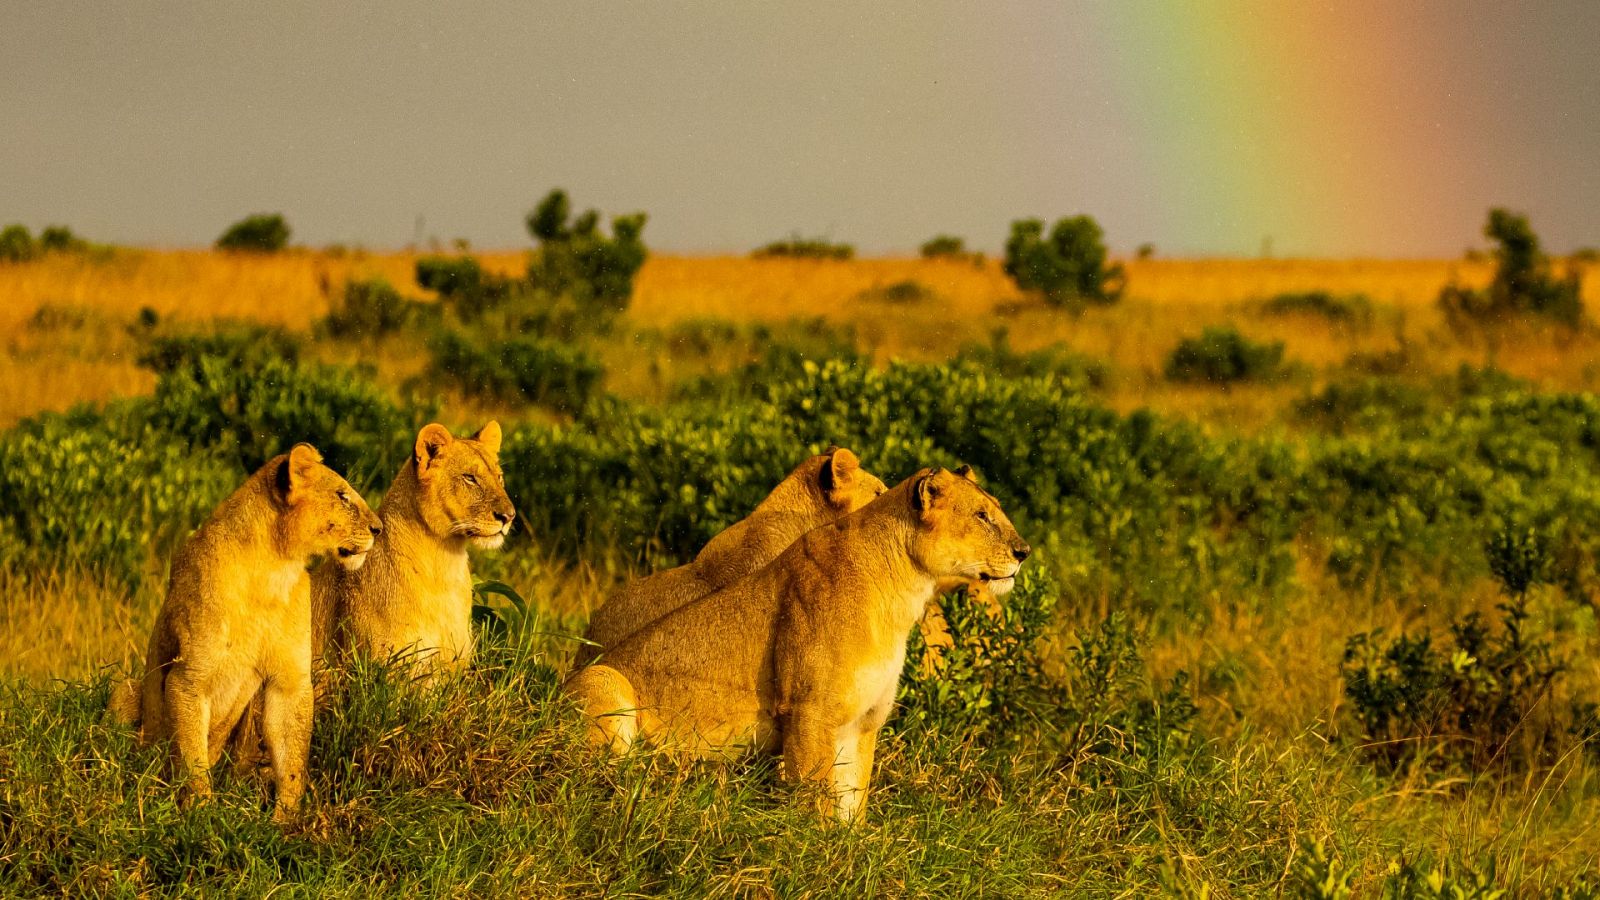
840	481
962	532
322	512
461	490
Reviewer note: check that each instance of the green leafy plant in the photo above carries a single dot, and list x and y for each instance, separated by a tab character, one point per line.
259	233
797	247
533	370
1224	356
1347	310
577	259
1068	266
17	244
372	309
1523	282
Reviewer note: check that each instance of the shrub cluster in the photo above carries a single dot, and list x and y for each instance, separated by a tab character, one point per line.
577	260
1224	356
259	233
1068	266
1347	310
946	246
533	370
1523	282
17	244
373	308
798	247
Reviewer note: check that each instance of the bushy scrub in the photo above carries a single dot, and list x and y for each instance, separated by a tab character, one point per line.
1483	702
1055	361
242	345
797	247
259	233
372	309
1068	266
1523	281
576	259
256	409
1224	356
1347	310
948	246
464	287
17	244
898	292
531	370
102	492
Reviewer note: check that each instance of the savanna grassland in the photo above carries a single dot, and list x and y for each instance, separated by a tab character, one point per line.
1312	612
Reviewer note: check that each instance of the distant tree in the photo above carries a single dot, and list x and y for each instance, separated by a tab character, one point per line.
805	248
944	245
1523	281
1145	251
580	261
1066	267
260	233
16	244
60	239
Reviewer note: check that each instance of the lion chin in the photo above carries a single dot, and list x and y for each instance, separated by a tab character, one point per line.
488	541
351	560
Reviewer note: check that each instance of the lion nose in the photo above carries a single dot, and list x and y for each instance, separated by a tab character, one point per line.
1021	551
375	529
505	517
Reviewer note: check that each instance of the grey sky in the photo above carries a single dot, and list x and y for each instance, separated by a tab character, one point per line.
733	124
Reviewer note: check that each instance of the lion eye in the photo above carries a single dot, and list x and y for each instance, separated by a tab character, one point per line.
983	515
344	497
470	479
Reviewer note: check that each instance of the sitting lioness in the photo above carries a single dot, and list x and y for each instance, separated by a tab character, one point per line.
804	655
817	492
415	597
237	620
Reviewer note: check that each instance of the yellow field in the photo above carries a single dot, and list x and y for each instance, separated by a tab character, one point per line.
49	366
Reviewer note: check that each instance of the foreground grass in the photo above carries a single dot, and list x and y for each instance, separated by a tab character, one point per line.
482	787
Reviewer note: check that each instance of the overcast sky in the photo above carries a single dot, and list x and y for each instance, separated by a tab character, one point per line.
1204	128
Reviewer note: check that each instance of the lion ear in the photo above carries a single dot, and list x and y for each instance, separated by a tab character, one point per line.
924	491
430	440
840	466
966	472
489	437
298	469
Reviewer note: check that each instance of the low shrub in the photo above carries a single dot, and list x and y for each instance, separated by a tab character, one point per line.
898	292
1055	361
245	346
1349	310
577	260
533	370
17	244
797	247
373	309
946	246
1523	282
60	239
1224	356
1067	267
259	233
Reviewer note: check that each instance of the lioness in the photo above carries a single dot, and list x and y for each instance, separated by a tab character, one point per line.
237	620
817	492
415	596
804	655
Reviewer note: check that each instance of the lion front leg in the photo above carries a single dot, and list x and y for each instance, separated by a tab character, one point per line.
286	724
188	717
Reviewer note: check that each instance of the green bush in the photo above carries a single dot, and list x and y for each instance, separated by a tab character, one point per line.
898	292
16	244
1350	310
259	233
246	346
1480	704
991	685
255	408
374	309
1522	283
1066	268
102	492
578	260
1055	361
60	239
944	245
449	275
533	370
797	247
1224	356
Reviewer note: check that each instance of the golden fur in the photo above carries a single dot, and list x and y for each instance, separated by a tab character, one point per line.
415	597
236	621
817	492
804	656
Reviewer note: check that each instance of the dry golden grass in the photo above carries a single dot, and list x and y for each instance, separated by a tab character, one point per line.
1167	300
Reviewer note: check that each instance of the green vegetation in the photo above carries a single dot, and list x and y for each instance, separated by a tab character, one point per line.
17	244
532	370
799	247
259	233
577	260
1067	267
1350	310
1523	282
1224	356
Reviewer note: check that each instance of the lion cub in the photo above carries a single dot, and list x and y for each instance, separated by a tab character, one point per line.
817	492
416	594
804	656
237	620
